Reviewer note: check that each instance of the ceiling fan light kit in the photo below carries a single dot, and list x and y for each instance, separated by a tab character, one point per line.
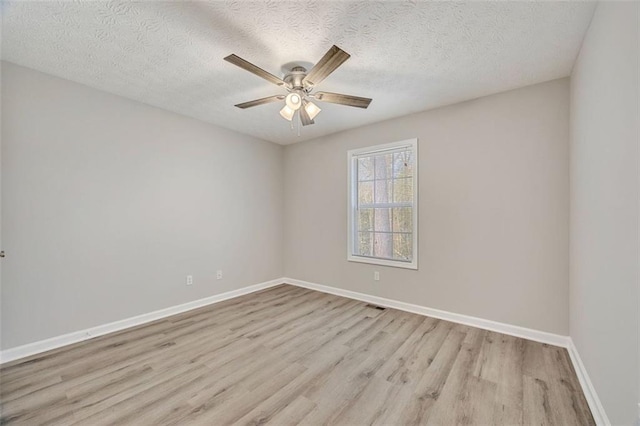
300	85
311	108
293	101
287	113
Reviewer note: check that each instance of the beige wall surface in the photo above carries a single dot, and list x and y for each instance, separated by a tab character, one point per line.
493	219
108	204
604	208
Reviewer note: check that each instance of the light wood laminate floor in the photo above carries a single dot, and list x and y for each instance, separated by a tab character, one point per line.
289	355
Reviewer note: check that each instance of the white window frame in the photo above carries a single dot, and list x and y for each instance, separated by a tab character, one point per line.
352	204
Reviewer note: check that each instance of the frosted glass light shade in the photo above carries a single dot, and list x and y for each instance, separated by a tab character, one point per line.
312	109
293	101
287	113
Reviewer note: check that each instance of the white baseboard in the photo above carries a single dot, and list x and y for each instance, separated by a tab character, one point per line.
29	349
512	330
597	410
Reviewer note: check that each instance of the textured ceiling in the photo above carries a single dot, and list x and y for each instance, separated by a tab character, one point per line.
408	56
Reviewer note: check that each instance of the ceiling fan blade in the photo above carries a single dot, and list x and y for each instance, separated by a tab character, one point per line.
246	65
337	98
304	117
328	64
261	101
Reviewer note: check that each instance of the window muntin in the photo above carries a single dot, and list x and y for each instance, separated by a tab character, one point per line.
383	204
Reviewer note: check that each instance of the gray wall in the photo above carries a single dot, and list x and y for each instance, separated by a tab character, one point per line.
494	209
604	208
108	204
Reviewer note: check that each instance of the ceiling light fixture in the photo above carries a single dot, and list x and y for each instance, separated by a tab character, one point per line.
287	113
293	101
312	109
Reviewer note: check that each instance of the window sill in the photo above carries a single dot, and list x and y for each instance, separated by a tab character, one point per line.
383	262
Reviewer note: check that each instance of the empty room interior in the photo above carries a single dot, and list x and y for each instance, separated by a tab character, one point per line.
319	213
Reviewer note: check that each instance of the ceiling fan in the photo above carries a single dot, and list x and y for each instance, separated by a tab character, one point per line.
300	84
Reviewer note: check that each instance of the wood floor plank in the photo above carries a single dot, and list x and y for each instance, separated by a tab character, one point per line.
288	355
455	403
536	401
371	403
293	414
284	385
501	362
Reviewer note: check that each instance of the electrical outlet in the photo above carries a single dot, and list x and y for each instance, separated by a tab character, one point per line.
376	276
189	279
219	275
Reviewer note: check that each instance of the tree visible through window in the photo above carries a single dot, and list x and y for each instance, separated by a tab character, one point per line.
382	196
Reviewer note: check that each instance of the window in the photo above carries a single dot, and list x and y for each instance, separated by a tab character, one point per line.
383	204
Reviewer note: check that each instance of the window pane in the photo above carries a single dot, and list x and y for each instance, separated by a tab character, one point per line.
383	190
383	166
403	246
397	164
402	219
403	190
403	164
365	168
365	244
365	220
365	192
382	220
383	245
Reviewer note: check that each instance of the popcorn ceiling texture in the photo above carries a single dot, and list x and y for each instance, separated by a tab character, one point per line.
407	56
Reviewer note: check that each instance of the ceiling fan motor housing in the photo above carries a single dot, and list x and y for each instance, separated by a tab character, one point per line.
295	78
